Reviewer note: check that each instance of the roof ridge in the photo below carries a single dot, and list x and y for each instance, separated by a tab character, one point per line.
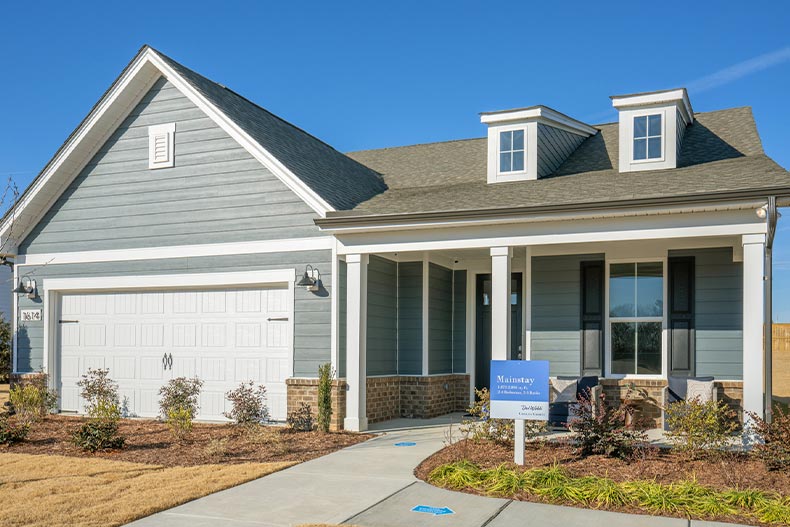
415	145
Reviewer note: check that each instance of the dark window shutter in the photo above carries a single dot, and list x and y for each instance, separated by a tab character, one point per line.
592	289
681	317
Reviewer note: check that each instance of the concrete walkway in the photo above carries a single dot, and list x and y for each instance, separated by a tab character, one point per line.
372	485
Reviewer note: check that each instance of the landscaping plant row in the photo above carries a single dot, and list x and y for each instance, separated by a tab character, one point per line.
179	400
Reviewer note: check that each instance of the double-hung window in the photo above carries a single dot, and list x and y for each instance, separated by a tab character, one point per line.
511	151
636	315
647	137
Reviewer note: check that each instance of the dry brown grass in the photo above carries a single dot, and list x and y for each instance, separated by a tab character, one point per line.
52	491
4	388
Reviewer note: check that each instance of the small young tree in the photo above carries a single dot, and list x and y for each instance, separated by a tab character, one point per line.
325	376
178	404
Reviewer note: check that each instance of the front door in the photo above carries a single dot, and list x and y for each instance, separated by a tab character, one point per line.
483	332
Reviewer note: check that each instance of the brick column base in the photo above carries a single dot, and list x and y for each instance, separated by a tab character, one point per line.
306	391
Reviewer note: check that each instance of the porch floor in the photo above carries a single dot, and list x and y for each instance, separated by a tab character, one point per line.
406	423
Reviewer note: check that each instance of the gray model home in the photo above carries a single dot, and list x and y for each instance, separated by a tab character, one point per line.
182	230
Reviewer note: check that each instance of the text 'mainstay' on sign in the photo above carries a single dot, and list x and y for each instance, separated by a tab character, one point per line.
520	389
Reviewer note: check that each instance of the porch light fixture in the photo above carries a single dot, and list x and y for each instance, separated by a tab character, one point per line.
311	280
27	286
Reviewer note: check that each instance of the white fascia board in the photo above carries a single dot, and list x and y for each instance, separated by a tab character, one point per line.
547	115
679	95
305	193
179	251
547	217
174	281
133	72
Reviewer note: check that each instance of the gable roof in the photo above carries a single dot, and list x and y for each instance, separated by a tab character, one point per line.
323	177
338	179
721	153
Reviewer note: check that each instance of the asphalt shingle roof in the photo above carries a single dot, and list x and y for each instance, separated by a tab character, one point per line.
721	152
339	180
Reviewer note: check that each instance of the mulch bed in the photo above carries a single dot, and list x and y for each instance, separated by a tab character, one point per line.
150	441
728	471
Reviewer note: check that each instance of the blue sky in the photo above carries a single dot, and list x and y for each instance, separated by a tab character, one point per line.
373	74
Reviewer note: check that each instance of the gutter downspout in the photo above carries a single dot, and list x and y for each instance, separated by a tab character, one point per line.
772	217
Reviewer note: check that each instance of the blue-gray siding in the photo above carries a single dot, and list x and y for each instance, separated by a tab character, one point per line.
459	321
216	192
410	318
556	304
718	313
554	147
342	291
382	323
440	319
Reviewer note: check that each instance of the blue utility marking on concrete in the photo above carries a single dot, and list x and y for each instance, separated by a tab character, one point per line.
406	443
436	511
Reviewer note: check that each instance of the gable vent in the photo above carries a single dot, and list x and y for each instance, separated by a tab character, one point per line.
161	145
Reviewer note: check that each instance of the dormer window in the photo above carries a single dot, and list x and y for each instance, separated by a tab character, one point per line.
647	137
511	151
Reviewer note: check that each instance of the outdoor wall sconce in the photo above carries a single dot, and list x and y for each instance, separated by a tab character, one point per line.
311	280
27	286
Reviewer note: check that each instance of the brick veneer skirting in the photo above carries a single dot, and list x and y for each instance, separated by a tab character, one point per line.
306	391
649	405
389	397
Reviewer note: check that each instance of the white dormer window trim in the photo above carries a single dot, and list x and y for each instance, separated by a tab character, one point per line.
647	113
161	145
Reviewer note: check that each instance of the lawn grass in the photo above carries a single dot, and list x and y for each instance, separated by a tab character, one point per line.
53	491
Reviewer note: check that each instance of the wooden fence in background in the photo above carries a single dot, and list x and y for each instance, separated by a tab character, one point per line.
781	362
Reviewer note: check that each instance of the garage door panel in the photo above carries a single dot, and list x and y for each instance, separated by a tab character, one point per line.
123	368
222	337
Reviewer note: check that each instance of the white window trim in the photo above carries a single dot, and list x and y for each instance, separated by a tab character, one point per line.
645	113
168	130
663	319
499	170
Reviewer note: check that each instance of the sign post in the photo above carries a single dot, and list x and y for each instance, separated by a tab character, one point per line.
520	391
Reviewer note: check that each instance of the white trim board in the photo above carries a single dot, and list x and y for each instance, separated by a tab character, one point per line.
174	281
180	251
117	103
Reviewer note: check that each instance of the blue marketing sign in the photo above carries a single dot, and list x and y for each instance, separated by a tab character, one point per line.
520	389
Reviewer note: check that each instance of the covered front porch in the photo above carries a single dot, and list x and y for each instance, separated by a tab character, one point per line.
421	313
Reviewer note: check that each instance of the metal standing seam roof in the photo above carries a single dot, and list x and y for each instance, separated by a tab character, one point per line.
721	152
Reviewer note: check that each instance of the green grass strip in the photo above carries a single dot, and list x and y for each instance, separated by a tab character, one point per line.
553	483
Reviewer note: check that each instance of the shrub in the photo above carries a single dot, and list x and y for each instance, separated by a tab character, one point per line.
98	434
325	376
178	404
695	427
12	430
32	399
98	390
249	404
5	348
483	427
301	419
601	429
100	431
773	439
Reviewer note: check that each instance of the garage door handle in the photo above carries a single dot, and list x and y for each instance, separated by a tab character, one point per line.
279	319
68	321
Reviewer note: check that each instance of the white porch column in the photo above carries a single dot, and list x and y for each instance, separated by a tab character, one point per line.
356	328
753	358
500	302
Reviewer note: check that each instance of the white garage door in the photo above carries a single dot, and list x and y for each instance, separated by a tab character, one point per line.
222	337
